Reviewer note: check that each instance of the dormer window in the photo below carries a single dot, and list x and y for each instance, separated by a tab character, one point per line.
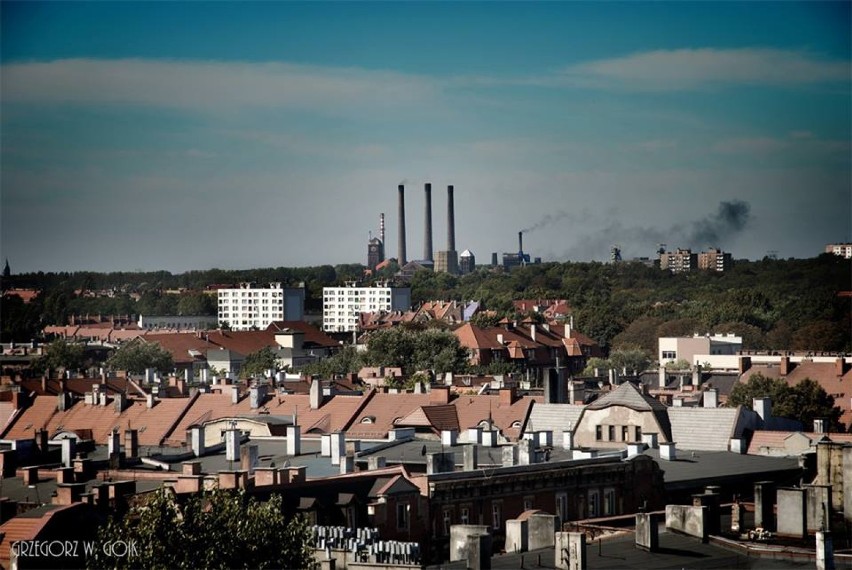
368	420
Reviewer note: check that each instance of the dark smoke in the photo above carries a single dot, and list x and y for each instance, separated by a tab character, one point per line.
546	221
730	218
711	231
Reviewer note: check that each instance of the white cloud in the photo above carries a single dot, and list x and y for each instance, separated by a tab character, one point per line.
685	69
212	84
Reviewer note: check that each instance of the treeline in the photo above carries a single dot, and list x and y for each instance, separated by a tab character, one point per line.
773	304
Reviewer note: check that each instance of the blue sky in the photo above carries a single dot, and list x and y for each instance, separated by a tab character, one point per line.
194	135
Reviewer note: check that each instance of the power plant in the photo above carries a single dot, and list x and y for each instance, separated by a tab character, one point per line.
446	261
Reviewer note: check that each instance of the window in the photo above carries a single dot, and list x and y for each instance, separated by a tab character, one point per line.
638	433
562	507
528	503
594	504
402	515
465	515
448	519
609	502
598	433
496	516
625	433
610	433
669	354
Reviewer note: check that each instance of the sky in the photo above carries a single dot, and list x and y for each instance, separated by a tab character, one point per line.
179	136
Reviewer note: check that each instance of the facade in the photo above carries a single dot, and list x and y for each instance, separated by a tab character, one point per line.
842	249
447	262
672	349
180	323
375	253
342	305
467	262
252	307
679	261
714	260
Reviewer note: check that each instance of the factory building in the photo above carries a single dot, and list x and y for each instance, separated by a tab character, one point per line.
467	262
342	305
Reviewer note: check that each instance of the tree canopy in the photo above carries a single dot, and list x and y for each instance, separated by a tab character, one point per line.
257	363
411	350
806	401
137	355
217	529
62	354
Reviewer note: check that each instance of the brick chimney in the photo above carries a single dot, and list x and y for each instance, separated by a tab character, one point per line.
745	364
839	366
439	395
784	366
507	396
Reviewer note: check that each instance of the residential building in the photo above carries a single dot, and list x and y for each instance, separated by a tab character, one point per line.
842	249
714	260
177	322
691	349
342	305
679	261
252	307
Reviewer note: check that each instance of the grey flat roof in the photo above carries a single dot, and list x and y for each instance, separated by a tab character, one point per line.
676	552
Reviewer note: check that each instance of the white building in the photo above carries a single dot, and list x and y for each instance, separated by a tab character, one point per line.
253	307
672	349
841	249
341	305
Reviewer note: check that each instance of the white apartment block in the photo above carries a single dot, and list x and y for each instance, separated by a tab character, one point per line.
252	307
341	305
693	349
841	249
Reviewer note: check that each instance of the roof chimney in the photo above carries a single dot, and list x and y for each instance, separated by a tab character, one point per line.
316	394
451	220
784	366
427	238
401	254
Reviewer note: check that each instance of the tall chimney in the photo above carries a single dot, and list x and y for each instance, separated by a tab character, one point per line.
451	220
401	254
427	238
520	243
382	227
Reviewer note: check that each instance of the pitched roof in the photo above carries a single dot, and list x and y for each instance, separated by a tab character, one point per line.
312	334
708	429
378	417
556	418
31	419
509	419
765	442
629	396
332	416
473	337
442	417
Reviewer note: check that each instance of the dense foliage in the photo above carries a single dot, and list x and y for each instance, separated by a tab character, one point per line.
137	355
806	401
219	529
61	354
779	304
257	363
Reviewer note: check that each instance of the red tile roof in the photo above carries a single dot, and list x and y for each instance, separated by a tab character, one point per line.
332	416
312	334
382	411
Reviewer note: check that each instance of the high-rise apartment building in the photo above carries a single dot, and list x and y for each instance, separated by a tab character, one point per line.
251	306
714	260
342	305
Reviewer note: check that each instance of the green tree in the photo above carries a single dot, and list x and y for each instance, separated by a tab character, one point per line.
217	529
806	401
485	319
61	354
196	304
412	350
257	363
137	355
343	362
633	359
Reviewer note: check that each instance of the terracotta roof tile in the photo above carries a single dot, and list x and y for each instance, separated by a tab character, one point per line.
384	410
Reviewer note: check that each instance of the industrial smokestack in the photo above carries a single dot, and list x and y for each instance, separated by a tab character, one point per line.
401	254
382	227
427	238
451	220
520	243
